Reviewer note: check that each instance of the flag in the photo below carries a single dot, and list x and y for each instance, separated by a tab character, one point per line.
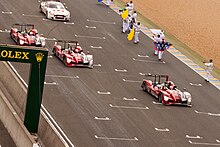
131	35
124	15
162	46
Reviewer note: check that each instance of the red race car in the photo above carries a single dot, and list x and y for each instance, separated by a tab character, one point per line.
72	54
166	91
26	34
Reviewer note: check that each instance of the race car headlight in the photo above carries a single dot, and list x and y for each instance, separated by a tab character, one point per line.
189	99
52	13
43	43
166	98
68	60
21	41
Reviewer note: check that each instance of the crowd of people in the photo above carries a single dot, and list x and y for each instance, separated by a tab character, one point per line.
129	22
131	26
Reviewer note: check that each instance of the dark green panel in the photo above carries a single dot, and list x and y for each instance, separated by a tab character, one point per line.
38	59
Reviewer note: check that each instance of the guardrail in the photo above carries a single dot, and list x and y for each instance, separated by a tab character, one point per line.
56	128
49	131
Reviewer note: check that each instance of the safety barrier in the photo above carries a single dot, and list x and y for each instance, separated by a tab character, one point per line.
14	91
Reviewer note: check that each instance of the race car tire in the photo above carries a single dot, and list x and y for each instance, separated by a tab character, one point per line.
47	15
65	60
40	9
160	97
53	51
11	34
18	41
145	88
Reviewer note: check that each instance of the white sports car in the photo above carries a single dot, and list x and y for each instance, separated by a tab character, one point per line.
54	10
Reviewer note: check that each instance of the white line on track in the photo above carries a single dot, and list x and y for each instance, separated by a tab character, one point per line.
4	31
45	19
207	113
203	143
107	93
143	56
120	70
6	12
122	139
128	107
131	99
97	65
95	46
132	81
52	83
194	137
56	76
162	130
50	39
91	27
192	84
27	15
101	21
156	103
92	37
150	61
68	23
143	74
102	118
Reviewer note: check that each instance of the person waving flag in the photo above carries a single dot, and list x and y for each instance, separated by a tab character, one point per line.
124	14
131	34
161	47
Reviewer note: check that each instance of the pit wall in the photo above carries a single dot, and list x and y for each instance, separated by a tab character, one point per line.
13	94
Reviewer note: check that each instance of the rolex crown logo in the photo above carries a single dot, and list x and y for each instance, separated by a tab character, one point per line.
39	56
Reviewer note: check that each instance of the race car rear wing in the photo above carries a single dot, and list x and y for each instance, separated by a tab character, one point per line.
157	78
66	43
28	25
51	0
23	27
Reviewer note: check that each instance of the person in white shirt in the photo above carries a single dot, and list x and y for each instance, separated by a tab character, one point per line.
131	7
209	68
125	26
108	2
137	30
135	16
157	39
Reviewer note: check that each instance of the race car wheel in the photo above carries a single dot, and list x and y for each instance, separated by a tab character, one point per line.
160	97
11	34
53	51
18	41
65	60
144	86
47	15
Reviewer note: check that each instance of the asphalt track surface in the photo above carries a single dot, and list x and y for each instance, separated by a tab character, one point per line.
98	108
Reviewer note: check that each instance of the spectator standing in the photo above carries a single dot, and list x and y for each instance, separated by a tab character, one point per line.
125	26
135	16
137	29
161	47
130	7
209	68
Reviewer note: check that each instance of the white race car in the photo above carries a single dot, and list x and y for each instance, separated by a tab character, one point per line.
54	10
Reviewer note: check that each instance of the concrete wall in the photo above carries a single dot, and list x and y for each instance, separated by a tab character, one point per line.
13	124
14	92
